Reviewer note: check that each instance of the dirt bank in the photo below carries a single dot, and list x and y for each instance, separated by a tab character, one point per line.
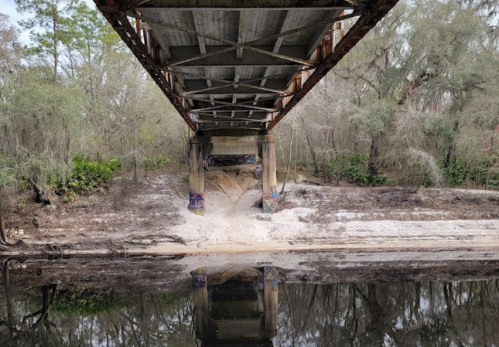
151	217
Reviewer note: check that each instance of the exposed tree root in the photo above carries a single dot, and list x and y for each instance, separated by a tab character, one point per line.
4	243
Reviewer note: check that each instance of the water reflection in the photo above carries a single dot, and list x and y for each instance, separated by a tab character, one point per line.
30	322
238	307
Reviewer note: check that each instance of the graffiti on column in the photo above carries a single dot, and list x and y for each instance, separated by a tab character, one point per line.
196	202
249	159
271	277
199	278
258	171
270	200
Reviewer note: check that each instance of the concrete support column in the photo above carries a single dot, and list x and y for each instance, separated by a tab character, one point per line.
270	295
269	178
196	177
200	288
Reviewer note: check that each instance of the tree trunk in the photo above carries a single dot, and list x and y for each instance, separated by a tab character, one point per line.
312	150
326	173
3	231
3	236
289	159
56	53
373	154
8	298
450	150
134	169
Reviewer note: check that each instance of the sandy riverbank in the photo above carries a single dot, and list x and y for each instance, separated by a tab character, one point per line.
151	217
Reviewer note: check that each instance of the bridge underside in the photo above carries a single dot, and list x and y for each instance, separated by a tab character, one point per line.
237	67
234	67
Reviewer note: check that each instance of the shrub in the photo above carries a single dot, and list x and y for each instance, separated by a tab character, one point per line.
86	302
353	169
484	172
156	162
87	176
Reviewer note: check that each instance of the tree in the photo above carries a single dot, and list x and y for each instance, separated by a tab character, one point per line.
40	129
10	50
50	28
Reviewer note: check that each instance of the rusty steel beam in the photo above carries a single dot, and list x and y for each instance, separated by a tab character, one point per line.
139	49
364	24
133	4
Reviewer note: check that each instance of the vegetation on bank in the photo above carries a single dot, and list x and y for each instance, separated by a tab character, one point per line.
76	107
414	103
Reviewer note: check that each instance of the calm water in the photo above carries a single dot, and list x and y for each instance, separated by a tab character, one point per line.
147	303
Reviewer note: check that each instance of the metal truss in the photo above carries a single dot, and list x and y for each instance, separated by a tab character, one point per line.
173	69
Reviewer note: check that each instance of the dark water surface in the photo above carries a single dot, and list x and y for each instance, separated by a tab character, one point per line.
170	301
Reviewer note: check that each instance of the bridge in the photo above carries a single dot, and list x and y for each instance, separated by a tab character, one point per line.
237	67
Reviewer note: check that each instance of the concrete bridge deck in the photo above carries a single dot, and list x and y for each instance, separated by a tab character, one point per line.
237	67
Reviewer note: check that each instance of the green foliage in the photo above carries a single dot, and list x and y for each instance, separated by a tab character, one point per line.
457	172
483	172
87	302
353	169
50	27
156	162
87	176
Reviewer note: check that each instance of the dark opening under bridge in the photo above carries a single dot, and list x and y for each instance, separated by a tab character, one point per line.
237	67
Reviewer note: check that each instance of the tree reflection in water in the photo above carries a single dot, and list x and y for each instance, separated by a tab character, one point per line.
427	313
401	314
30	322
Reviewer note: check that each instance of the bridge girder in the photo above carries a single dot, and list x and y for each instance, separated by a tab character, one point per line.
232	64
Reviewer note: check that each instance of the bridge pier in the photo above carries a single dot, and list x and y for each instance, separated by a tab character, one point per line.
269	177
200	147
196	176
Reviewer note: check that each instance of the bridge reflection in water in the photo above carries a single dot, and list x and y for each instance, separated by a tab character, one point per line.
239	309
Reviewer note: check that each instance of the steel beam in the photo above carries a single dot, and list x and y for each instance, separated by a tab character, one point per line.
242	21
220	56
227	107
246	88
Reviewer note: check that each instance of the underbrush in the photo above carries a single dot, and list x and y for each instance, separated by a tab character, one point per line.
353	169
484	172
87	176
86	302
